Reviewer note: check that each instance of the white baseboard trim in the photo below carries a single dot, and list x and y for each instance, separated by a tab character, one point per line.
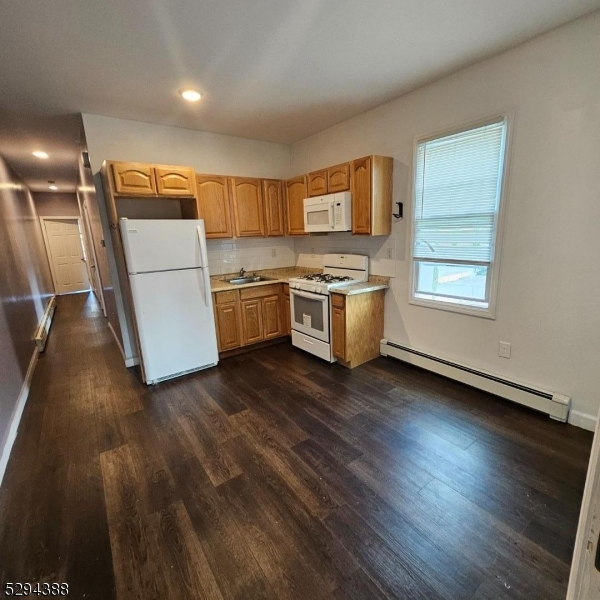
583	420
553	404
15	419
41	335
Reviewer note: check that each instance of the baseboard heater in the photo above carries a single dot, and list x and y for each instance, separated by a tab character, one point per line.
555	405
41	335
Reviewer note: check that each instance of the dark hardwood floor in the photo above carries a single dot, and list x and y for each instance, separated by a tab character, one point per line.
277	475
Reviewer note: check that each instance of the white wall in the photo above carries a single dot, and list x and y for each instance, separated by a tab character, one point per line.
124	140
549	294
310	250
53	204
120	139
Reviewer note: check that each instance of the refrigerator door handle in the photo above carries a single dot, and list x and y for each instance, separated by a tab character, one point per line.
202	239
206	291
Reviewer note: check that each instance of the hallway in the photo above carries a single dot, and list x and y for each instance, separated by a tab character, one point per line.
277	475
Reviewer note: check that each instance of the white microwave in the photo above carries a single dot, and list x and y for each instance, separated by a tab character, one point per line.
328	213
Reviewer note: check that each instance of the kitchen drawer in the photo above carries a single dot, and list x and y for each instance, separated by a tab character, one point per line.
338	300
312	345
260	291
226	297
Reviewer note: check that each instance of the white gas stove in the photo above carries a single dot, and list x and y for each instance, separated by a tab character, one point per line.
310	305
338	270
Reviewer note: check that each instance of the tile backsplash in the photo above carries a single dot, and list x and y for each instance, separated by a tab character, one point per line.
381	250
253	254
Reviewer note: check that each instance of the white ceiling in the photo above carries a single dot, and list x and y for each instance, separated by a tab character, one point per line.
277	70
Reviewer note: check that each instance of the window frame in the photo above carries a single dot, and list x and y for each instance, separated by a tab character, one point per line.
492	283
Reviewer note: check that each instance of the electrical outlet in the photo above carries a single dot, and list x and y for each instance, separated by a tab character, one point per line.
504	349
312	252
390	253
273	252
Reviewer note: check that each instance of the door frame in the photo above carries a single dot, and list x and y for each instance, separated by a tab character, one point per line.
585	542
49	251
95	279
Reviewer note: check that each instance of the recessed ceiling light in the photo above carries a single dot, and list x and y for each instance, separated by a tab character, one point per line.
52	185
40	154
190	95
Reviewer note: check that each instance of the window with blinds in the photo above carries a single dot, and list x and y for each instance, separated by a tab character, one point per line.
458	180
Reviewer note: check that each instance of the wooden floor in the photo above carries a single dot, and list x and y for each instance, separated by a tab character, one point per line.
277	475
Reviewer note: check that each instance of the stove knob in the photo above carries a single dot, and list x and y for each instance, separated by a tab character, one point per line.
313	288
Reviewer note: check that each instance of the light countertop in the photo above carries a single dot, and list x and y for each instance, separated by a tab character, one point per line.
362	288
218	283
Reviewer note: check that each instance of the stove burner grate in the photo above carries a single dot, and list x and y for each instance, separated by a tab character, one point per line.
326	278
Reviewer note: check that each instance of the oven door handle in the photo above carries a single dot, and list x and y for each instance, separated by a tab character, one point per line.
309	295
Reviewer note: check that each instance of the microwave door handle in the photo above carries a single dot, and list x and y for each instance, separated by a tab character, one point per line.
331	217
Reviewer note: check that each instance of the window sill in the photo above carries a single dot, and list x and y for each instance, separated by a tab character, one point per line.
472	311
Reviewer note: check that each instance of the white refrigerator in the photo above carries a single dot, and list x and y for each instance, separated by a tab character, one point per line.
167	265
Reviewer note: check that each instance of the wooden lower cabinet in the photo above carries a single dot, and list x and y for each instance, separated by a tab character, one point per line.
357	327
251	315
339	332
252	321
228	326
287	313
271	309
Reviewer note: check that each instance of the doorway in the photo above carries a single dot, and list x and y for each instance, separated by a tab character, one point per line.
66	255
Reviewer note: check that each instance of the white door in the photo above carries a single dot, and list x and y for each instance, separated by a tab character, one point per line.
65	253
584	583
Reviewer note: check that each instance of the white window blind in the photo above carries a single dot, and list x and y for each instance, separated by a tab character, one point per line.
457	193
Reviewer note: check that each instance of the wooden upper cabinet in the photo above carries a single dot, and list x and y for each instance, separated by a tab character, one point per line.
317	183
174	181
214	205
273	203
136	179
371	185
295	192
247	207
361	195
338	178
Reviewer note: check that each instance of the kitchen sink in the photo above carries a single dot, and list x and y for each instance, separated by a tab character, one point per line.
254	279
